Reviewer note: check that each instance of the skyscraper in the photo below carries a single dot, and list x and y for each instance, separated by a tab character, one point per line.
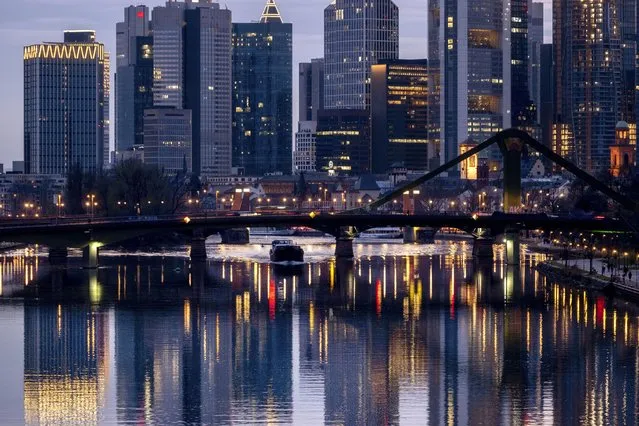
133	77
66	114
208	86
469	53
168	60
399	115
262	94
311	89
357	34
192	71
594	47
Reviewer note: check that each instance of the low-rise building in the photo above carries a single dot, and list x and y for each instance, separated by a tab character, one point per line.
304	150
27	195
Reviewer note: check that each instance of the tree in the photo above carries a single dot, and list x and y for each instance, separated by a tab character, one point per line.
73	193
592	201
194	185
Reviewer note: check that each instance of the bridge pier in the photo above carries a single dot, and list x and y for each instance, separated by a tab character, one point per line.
344	243
419	235
483	248
58	256
238	236
512	149
513	247
198	247
91	255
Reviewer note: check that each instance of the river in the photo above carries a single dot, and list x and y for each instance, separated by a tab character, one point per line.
404	334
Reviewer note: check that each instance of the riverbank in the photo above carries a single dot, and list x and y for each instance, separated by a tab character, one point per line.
576	276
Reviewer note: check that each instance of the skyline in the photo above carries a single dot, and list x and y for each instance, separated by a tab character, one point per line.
40	20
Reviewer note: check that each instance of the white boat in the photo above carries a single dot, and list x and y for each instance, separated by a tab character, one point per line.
274	232
382	233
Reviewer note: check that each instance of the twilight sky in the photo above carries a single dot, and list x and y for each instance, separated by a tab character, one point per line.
34	21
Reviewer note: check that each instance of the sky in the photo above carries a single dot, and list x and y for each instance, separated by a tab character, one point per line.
35	21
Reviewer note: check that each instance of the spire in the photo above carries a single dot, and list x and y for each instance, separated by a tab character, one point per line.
271	13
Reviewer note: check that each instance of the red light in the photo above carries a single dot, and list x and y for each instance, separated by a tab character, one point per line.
140	14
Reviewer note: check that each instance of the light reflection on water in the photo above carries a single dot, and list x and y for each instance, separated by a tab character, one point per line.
404	334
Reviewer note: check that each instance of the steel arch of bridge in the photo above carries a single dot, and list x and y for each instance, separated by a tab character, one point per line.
501	139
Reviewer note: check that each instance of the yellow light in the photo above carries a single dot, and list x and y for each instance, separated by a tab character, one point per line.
187	220
64	51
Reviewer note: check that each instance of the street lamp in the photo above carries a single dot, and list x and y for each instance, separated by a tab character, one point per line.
91	203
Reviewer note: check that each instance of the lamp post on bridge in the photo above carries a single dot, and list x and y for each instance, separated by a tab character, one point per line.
91	203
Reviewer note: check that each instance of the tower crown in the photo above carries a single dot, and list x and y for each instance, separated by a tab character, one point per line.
271	13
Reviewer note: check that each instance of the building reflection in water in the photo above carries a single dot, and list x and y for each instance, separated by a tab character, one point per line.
383	340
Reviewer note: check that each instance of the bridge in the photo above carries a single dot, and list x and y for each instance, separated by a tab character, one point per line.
90	235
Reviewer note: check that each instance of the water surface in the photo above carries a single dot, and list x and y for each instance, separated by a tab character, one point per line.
405	334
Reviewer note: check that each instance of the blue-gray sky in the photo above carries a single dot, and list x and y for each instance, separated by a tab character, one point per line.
34	21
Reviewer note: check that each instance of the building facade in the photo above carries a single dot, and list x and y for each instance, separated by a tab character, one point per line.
133	77
535	41
595	69
342	144
304	159
516	47
168	55
134	84
311	89
263	94
357	34
399	115
66	97
167	139
471	74
546	93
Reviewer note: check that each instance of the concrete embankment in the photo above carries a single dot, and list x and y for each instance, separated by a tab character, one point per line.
577	277
6	247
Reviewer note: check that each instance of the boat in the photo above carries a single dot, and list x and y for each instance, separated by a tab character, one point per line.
286	251
273	232
382	233
303	231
